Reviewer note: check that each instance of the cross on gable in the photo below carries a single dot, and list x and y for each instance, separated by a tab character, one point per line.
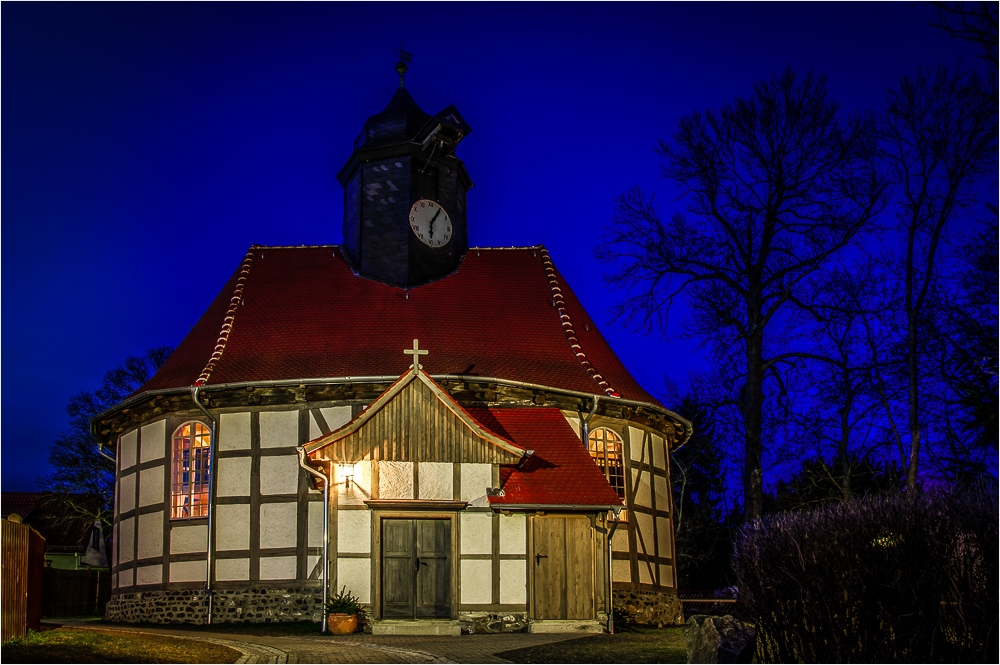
416	352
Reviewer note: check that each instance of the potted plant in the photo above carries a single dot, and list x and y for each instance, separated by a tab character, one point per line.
343	611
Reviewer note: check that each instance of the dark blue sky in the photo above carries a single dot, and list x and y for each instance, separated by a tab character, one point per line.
146	146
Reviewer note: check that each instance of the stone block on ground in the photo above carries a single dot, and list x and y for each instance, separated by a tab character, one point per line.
719	639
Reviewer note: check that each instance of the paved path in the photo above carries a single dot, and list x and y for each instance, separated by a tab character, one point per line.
355	648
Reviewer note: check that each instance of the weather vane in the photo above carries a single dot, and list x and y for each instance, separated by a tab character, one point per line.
404	58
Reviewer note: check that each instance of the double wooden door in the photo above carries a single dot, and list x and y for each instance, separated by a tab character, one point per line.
562	567
416	568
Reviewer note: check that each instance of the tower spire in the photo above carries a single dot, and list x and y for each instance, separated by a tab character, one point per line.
404	58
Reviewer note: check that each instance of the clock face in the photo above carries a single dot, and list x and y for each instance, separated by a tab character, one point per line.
430	223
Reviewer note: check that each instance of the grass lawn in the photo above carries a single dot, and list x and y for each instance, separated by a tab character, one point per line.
79	645
639	645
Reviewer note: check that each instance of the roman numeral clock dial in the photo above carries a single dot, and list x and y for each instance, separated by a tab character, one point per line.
430	223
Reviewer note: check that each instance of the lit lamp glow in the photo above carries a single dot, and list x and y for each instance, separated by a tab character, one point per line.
345	474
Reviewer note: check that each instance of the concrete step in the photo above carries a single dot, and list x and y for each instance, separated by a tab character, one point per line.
566	626
416	627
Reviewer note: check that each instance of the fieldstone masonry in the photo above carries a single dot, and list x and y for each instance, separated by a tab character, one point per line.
650	608
251	605
484	622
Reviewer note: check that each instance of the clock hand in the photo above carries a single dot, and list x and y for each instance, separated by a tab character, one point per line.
432	221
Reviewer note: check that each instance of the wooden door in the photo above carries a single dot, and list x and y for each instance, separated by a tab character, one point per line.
416	568
563	568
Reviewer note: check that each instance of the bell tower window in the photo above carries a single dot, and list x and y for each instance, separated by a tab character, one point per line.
606	450
189	466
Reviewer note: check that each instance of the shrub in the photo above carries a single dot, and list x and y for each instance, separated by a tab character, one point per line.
896	578
344	603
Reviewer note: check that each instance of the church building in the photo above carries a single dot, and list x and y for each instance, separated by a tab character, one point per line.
440	430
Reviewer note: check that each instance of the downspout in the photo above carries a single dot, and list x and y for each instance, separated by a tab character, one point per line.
210	541
326	529
611	603
585	422
113	460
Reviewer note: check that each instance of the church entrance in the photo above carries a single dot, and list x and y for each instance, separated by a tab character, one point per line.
562	567
416	568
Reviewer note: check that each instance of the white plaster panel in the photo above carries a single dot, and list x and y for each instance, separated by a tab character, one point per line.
188	539
126	493
644	575
187	571
658	459
354	531
279	475
619	542
641	487
333	418
355	574
149	574
279	429
150	535
621	570
477	533
277	525
663	531
151	486
315	524
363	477
227	570
477	581
437	480
475	479
126	449
666	575
635	444
234	476
573	421
513	582
234	431
395	480
513	534
153	442
277	567
233	527
644	524
125	578
312	565
660	490
126	539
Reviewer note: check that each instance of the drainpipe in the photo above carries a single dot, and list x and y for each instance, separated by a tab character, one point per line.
210	541
100	449
611	603
326	528
585	422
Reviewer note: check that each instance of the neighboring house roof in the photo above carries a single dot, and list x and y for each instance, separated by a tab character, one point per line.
43	512
301	313
560	471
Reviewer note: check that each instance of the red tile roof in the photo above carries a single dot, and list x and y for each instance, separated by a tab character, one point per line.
560	472
300	312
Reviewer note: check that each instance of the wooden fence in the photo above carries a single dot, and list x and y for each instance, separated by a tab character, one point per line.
22	561
75	592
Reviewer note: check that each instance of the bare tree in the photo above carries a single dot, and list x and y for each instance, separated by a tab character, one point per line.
973	22
939	136
775	184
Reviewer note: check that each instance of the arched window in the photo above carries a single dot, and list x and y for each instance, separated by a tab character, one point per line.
189	485
606	450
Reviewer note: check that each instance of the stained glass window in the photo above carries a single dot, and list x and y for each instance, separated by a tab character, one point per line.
189	488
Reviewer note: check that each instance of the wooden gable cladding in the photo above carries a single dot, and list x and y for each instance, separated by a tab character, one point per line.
414	420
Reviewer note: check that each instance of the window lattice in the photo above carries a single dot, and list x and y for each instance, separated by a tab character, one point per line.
606	450
189	487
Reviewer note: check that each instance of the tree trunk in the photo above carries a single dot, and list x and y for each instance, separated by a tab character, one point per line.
753	407
914	419
843	463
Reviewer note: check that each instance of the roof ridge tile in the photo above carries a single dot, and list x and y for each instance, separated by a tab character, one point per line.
227	322
567	323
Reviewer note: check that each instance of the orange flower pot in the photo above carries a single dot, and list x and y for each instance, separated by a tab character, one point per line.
341	624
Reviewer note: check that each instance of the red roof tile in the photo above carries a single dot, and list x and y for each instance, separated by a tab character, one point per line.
299	312
560	472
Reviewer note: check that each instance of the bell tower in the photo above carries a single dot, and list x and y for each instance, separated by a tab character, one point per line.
404	193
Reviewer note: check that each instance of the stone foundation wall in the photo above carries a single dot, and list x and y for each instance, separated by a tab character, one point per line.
484	622
650	607
229	606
